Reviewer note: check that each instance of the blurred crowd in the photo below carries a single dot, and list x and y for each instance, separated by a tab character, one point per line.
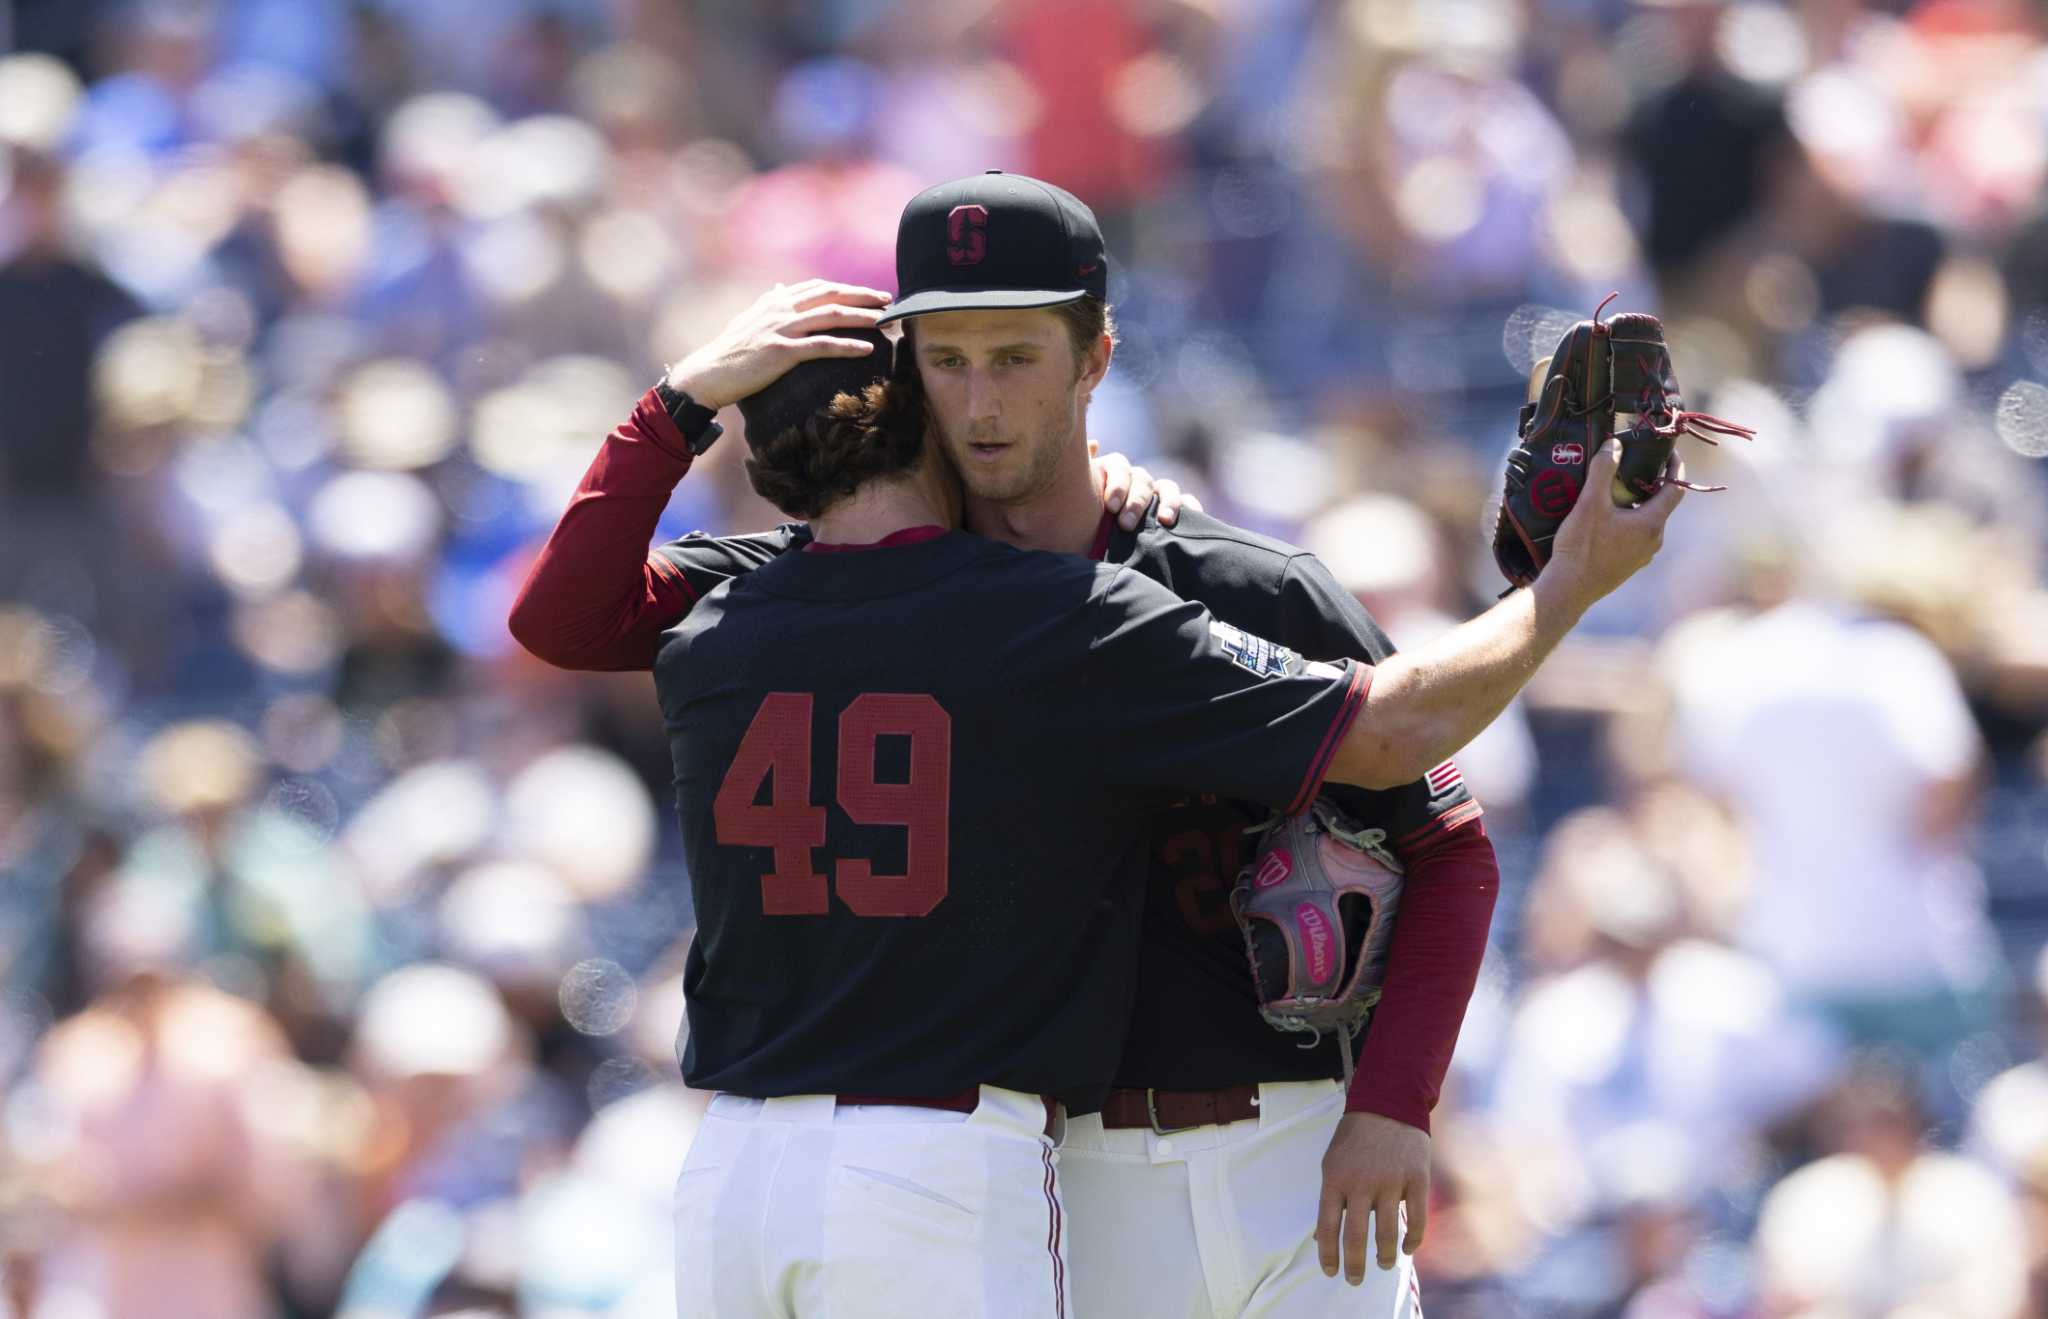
340	943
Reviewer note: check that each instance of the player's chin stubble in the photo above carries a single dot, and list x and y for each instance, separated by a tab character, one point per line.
1023	473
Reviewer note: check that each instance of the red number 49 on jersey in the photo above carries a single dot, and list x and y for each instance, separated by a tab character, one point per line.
778	743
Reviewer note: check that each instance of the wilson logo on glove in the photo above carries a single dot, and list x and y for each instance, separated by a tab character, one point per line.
1552	493
1315	937
1274	868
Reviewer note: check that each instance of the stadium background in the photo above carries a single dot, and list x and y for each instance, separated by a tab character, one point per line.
339	941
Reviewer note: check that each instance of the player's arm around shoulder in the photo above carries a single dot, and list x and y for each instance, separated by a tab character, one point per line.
1427	703
1424	707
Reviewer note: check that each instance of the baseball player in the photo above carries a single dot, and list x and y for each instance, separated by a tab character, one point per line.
1204	1157
1025	398
868	750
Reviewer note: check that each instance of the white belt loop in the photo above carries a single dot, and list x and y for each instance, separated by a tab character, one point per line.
1015	1109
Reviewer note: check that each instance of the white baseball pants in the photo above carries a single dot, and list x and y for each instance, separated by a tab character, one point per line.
800	1208
1216	1221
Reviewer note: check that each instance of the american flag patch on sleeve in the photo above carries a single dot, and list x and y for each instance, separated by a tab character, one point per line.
1443	779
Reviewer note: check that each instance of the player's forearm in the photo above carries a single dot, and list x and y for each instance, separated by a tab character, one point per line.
1432	965
595	598
1427	703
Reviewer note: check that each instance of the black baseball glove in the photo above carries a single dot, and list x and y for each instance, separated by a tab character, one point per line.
1610	378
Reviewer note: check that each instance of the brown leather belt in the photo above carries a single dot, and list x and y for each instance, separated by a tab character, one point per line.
1168	1111
960	1101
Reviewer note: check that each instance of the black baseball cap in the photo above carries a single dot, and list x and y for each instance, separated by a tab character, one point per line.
995	240
810	386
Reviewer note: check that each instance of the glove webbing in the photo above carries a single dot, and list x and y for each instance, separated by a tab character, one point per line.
1332	820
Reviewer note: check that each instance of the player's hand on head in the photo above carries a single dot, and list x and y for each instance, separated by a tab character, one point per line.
1126	489
1599	545
790	323
1373	1167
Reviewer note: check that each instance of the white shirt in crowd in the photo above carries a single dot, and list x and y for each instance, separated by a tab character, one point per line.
1826	730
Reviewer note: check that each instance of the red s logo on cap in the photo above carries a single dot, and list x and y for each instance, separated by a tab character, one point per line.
967	235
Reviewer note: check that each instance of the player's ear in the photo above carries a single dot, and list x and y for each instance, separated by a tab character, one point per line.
1096	365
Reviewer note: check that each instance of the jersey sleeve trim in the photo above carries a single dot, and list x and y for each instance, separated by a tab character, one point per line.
1319	768
1462	813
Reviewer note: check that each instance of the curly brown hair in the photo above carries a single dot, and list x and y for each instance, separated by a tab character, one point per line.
809	467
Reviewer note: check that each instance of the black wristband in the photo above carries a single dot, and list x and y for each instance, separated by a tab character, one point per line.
697	424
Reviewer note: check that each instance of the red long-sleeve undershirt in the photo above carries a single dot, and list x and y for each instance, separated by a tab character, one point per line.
596	598
1432	966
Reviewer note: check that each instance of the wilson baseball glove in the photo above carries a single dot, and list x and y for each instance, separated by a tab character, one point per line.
1610	378
1317	907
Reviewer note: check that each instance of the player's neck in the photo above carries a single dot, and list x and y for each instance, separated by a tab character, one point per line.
1064	517
879	510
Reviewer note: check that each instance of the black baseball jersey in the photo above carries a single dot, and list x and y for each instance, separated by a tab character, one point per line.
914	784
1196	1024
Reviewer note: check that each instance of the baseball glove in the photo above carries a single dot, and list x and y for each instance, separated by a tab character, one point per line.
1609	378
1317	906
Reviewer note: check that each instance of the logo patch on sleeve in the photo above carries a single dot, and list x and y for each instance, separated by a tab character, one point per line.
1255	655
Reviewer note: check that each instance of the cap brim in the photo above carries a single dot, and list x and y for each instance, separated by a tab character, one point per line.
917	304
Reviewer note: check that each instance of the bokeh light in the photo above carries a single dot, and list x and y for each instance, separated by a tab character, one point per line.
39	96
597	996
396	413
2023	418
